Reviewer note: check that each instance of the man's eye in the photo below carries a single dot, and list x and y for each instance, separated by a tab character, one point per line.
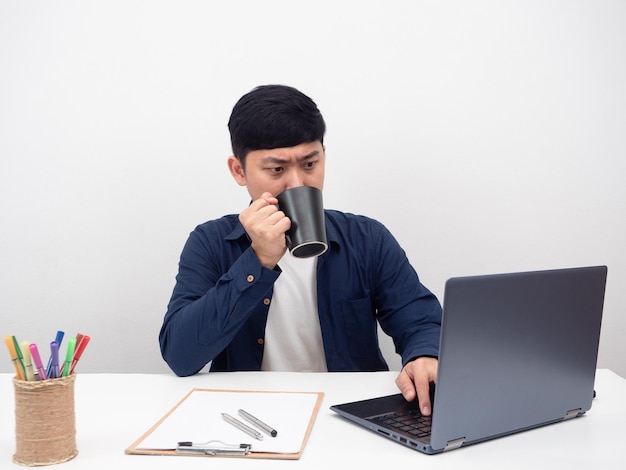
309	165
277	169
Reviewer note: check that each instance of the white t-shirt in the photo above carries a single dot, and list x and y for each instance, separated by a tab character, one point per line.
293	338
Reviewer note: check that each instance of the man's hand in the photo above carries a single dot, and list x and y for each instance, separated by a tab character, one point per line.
414	381
266	226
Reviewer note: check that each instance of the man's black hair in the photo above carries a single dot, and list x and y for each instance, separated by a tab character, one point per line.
274	116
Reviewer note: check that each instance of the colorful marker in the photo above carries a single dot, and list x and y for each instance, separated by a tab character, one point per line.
54	356
79	351
20	357
28	365
59	340
19	372
34	352
71	345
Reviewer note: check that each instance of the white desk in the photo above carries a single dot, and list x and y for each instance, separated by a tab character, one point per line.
113	410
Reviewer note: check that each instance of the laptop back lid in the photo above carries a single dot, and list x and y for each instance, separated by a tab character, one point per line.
517	351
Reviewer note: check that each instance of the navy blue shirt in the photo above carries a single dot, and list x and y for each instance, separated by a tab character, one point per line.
219	306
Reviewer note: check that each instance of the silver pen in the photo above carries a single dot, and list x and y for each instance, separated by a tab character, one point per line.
257	422
241	426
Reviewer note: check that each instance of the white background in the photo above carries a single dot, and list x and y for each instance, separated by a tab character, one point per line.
489	136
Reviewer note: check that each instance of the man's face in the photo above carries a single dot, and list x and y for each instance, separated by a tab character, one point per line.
275	170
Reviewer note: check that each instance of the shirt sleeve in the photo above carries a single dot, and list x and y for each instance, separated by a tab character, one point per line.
209	305
407	310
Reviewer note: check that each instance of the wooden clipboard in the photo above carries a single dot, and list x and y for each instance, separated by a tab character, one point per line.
196	418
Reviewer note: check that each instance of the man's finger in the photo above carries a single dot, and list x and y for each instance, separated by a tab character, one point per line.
405	385
423	399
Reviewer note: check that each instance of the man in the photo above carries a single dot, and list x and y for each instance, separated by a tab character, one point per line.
242	302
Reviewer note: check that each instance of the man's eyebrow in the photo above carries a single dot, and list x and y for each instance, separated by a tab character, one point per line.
308	156
270	159
278	160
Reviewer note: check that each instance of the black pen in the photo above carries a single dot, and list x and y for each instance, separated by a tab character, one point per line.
257	422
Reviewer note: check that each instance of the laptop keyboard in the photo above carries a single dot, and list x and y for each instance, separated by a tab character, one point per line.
411	421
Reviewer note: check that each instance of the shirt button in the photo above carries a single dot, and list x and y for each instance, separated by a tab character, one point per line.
250	278
260	341
266	301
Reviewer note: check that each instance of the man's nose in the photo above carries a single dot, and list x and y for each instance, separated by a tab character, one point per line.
294	180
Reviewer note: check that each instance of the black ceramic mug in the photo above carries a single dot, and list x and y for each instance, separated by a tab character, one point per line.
305	208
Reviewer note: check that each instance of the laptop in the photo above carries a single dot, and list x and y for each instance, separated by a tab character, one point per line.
517	351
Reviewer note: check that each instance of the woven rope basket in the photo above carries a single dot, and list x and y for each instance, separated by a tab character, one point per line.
45	425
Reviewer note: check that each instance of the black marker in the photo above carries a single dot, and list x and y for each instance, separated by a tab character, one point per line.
257	422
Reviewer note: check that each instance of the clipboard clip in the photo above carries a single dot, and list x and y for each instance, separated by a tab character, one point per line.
212	448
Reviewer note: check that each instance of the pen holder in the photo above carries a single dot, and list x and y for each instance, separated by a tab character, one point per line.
45	425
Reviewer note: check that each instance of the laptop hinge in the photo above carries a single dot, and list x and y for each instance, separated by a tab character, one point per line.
573	413
454	444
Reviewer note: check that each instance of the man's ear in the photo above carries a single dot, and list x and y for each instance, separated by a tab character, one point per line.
236	169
